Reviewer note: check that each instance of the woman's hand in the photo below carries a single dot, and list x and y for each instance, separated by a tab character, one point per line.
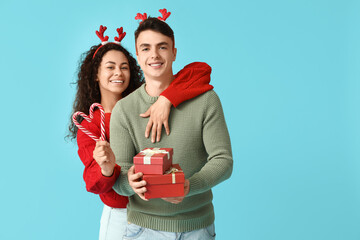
159	115
105	157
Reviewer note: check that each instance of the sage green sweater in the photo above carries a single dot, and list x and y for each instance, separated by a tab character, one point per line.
201	144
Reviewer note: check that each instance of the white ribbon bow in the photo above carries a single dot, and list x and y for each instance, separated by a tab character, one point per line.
149	152
173	171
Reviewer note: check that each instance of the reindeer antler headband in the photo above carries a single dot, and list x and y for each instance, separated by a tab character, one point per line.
104	39
165	14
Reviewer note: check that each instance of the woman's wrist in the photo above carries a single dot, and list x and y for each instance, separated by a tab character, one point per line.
107	173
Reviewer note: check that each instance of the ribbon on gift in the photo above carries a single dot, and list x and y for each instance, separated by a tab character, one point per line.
173	170
150	152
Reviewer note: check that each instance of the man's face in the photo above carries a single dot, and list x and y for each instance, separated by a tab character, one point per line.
155	54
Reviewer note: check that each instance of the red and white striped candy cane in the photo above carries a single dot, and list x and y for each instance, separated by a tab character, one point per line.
89	119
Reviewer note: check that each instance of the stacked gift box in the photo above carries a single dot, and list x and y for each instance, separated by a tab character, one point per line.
163	178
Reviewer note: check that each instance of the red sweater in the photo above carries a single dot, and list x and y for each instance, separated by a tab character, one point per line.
190	82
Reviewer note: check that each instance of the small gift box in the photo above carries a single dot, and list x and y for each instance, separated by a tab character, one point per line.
171	184
153	160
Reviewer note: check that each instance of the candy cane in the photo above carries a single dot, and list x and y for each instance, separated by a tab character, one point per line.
89	119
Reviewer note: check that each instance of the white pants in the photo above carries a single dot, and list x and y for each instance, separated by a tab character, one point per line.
134	231
113	223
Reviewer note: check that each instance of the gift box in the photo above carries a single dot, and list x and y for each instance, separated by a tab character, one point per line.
171	184
153	160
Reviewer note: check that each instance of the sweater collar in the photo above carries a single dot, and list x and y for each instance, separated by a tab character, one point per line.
146	96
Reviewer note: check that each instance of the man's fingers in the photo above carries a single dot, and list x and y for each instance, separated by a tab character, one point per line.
131	170
138	185
174	200
142	196
140	190
135	176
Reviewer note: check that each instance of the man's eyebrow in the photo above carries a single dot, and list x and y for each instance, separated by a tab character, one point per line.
163	43
148	45
144	45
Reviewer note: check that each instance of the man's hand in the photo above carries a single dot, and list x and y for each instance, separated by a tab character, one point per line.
105	157
159	115
136	183
176	200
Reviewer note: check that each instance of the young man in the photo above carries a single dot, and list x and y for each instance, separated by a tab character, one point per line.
199	137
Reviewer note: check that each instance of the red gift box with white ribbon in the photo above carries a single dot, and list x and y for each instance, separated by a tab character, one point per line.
171	184
153	160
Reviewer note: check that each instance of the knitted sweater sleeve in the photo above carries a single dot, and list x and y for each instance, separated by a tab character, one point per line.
217	144
123	148
189	82
94	180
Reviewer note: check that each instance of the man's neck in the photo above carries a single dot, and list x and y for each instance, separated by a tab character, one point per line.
154	87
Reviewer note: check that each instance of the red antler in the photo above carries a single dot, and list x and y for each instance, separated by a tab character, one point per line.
165	14
141	17
121	35
100	34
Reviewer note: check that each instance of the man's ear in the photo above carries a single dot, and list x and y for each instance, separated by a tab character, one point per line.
175	52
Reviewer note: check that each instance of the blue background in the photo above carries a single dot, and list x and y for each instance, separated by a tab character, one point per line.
287	73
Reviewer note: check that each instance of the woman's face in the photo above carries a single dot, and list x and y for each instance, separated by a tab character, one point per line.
114	73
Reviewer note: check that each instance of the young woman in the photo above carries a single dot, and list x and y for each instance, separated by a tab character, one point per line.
108	73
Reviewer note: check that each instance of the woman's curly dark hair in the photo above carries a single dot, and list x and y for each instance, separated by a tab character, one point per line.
87	88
